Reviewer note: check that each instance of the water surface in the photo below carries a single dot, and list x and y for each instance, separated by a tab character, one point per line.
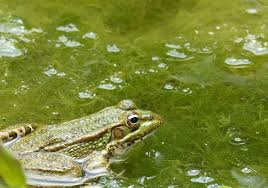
203	65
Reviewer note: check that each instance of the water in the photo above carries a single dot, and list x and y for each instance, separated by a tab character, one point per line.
202	65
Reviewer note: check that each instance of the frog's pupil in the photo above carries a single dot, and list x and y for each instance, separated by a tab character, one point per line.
134	119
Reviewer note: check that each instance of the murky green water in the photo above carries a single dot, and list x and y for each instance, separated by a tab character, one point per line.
202	64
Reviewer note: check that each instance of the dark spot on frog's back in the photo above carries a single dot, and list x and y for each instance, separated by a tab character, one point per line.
127	104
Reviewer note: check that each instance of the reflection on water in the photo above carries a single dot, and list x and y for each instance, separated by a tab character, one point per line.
201	64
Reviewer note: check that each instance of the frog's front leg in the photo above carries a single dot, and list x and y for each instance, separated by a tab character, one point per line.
16	131
57	168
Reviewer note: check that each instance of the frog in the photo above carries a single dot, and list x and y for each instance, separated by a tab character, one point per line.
79	151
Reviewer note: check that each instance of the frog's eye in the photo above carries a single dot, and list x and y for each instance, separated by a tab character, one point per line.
133	121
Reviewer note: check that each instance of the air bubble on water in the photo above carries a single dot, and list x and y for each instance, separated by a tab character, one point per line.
251	11
246	170
238	39
168	86
173	46
202	179
162	65
155	58
237	62
193	172
140	72
113	48
67	42
68	28
86	95
90	35
211	33
235	139
175	53
213	186
107	86
116	79
8	48
187	90
152	70
12	28
50	72
55	113
254	46
61	74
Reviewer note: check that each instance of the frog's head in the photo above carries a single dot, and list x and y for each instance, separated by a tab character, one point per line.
135	126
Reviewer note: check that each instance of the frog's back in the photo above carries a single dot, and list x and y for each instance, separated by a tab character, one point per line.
46	135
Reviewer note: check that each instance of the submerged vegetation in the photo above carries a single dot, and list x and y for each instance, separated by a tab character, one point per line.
202	65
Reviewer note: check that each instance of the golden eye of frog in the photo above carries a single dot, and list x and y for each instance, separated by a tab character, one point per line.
76	151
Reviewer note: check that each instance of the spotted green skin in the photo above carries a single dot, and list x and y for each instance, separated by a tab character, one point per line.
40	158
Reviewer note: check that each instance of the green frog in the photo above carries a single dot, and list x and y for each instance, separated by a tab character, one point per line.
74	152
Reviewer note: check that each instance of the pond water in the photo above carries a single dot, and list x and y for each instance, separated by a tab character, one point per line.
202	65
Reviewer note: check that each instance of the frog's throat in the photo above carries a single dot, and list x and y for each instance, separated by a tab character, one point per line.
86	138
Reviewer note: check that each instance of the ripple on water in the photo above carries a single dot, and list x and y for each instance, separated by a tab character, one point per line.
90	35
67	42
237	63
8	49
113	48
68	28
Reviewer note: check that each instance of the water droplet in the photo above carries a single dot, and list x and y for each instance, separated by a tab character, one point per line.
107	86
175	53
202	179
8	49
86	95
173	46
90	35
193	172
68	28
113	48
238	63
69	43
